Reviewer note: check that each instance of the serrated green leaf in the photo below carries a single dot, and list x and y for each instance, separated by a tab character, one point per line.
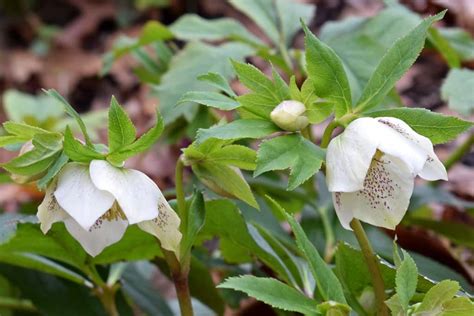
397	60
459	306
295	152
193	27
437	296
230	180
235	155
272	292
122	132
251	128
327	74
33	162
456	90
218	81
142	144
212	99
327	283
76	151
256	81
439	128
406	280
22	129
11	140
71	112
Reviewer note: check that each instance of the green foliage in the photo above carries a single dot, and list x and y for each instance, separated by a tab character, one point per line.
394	64
327	74
278	19
195	59
456	90
327	282
191	27
461	41
406	280
266	94
437	127
208	98
122	132
245	128
272	292
295	152
76	151
218	81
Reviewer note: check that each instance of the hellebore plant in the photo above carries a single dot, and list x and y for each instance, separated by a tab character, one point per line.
370	169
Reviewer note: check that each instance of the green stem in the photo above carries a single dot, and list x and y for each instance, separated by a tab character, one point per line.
372	264
460	152
180	195
106	295
180	276
17	304
328	133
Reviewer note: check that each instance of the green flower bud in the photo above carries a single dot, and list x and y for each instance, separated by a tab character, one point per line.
289	115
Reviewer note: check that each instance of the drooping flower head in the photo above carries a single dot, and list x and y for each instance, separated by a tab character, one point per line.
98	201
371	168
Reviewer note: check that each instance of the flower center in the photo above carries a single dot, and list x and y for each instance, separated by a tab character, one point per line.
115	213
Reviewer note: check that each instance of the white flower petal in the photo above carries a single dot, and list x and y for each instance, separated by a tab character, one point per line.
137	195
384	199
102	234
49	211
79	197
165	227
400	140
349	155
433	169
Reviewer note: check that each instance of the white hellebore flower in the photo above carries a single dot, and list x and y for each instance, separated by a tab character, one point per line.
97	202
289	115
371	168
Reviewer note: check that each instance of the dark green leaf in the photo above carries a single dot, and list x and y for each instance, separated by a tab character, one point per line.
76	151
194	222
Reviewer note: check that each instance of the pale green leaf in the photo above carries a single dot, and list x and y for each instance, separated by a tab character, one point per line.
22	129
218	81
461	41
194	222
457	90
298	154
209	98
406	280
437	296
76	151
235	155
237	130
191	27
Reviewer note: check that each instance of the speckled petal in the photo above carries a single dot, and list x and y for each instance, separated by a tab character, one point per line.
49	211
102	234
384	199
165	227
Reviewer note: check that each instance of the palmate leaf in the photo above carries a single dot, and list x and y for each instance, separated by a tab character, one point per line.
437	127
394	64
298	154
272	292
